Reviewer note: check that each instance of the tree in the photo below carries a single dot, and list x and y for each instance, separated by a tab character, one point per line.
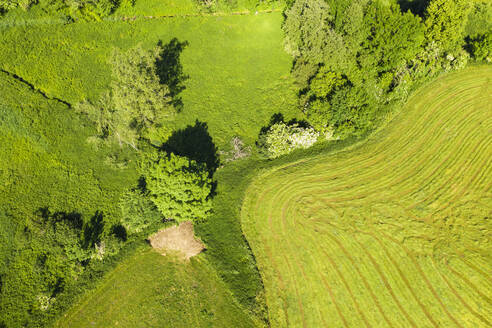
481	47
445	23
137	104
180	188
305	28
138	211
393	38
325	82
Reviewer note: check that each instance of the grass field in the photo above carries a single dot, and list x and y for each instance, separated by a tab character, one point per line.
48	163
235	92
394	232
151	290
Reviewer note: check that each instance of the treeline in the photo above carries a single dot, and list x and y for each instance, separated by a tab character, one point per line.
355	59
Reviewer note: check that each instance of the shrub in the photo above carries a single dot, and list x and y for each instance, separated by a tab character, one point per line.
481	47
138	211
180	188
281	139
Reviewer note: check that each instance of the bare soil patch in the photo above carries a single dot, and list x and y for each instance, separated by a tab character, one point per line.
178	238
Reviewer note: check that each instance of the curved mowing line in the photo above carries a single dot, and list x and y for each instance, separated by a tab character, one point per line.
465	304
475	268
401	185
426	280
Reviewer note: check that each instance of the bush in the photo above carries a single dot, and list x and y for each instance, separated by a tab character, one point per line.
138	211
481	47
179	187
281	139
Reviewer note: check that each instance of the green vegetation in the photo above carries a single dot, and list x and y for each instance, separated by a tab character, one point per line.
138	104
150	290
49	163
356	60
119	118
138	211
66	62
179	187
58	204
281	139
390	232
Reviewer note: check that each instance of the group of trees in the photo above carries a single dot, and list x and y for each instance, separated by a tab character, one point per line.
173	187
136	110
353	58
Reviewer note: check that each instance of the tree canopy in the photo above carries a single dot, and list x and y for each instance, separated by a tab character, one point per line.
179	187
137	104
354	58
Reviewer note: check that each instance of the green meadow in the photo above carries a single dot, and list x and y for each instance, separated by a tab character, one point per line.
238	72
383	223
151	290
47	162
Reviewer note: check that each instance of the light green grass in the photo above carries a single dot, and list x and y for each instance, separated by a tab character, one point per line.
151	290
238	70
48	163
394	232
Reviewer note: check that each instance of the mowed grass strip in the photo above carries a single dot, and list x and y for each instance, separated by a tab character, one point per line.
390	233
151	290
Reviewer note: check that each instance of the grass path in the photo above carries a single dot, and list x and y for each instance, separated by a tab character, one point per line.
151	290
20	21
394	232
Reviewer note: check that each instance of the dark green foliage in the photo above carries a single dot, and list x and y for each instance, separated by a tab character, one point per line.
179	187
393	38
480	18
138	211
445	22
481	47
306	36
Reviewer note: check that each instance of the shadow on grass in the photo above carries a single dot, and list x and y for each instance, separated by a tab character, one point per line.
279	118
170	69
194	142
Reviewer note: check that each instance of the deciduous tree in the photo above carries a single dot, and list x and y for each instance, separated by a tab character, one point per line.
179	187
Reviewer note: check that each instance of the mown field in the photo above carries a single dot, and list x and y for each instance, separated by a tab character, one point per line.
394	232
151	290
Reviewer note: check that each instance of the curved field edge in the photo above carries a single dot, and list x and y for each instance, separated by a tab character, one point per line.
376	236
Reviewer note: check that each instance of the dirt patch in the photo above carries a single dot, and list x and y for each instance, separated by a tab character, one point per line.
178	238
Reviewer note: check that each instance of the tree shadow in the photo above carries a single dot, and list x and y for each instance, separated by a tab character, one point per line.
170	69
416	7
94	229
120	232
195	143
279	118
73	219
